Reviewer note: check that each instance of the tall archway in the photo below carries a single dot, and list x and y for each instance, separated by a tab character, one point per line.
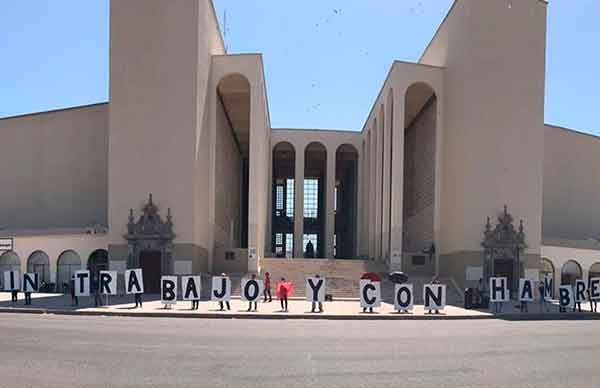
98	261
546	269
68	262
570	272
39	262
232	164
345	201
283	194
315	170
594	271
9	261
420	120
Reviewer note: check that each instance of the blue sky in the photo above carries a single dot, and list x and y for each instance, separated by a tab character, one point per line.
325	60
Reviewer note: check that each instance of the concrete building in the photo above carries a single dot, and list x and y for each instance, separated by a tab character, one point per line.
454	173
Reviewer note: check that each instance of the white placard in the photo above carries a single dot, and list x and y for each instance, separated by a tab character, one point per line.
251	289
499	290
580	290
548	288
221	288
12	280
434	296
526	290
595	289
107	282
403	297
168	290
30	282
565	296
134	281
82	283
474	273
191	287
370	293
315	289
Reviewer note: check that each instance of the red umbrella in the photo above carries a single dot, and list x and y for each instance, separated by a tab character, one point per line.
285	288
372	276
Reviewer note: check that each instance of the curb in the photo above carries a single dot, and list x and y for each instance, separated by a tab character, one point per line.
308	316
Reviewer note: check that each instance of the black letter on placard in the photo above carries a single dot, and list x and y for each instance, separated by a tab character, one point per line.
223	289
501	288
564	297
251	283
133	281
82	276
548	287
595	289
315	289
365	291
406	302
167	289
580	291
30	284
12	280
527	290
190	287
105	280
437	299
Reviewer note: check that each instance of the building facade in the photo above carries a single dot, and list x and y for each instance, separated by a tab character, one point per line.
454	174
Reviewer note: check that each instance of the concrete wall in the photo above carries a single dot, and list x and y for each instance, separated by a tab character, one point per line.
571	200
494	55
54	169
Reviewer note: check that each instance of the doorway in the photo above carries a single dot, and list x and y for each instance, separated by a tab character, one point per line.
150	263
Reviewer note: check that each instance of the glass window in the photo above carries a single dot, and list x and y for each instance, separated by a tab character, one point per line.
312	238
311	198
279	197
289	244
289	205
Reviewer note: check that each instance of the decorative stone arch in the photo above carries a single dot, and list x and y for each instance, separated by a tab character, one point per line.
283	208
39	262
68	262
315	167
97	261
594	271
10	261
546	268
570	272
346	197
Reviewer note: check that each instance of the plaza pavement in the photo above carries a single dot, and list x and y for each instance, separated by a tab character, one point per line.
297	309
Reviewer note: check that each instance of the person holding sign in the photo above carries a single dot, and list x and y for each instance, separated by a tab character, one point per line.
251	292
30	284
499	293
525	293
315	292
12	282
192	286
134	284
221	290
284	291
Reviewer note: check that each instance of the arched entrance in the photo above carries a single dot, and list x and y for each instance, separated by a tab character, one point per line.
68	262
9	261
594	271
150	242
283	194
345	201
98	261
39	263
570	272
315	170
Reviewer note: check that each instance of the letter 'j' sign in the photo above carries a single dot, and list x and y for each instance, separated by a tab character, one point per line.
221	288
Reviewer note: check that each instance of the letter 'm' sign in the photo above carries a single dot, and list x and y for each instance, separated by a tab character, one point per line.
30	282
403	297
107	282
434	296
315	289
548	288
499	290
82	283
168	289
191	287
565	296
595	288
370	293
221	288
526	290
134	281
252	289
12	281
580	291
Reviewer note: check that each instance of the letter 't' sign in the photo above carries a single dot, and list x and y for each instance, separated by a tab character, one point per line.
134	281
370	293
107	282
221	288
315	289
168	289
82	283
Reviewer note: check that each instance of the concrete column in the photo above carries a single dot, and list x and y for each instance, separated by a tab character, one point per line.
299	203
379	175
397	181
385	204
329	202
269	212
358	229
371	200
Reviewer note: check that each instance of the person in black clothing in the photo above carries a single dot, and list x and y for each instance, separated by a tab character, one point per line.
14	296
253	277
138	300
195	304
96	291
27	298
593	303
74	298
226	303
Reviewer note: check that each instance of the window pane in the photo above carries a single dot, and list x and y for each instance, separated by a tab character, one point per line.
312	238
311	198
289	206
289	244
279	197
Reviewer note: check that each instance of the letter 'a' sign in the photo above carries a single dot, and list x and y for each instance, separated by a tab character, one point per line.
434	296
525	290
82	283
315	289
12	281
134	281
168	289
30	282
108	282
191	287
221	288
499	290
403	297
252	289
370	293
565	296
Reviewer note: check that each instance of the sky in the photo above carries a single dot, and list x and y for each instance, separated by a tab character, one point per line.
325	60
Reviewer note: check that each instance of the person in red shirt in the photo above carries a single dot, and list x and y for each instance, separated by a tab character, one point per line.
267	291
284	290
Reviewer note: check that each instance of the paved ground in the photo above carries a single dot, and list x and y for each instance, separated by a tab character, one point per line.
72	351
